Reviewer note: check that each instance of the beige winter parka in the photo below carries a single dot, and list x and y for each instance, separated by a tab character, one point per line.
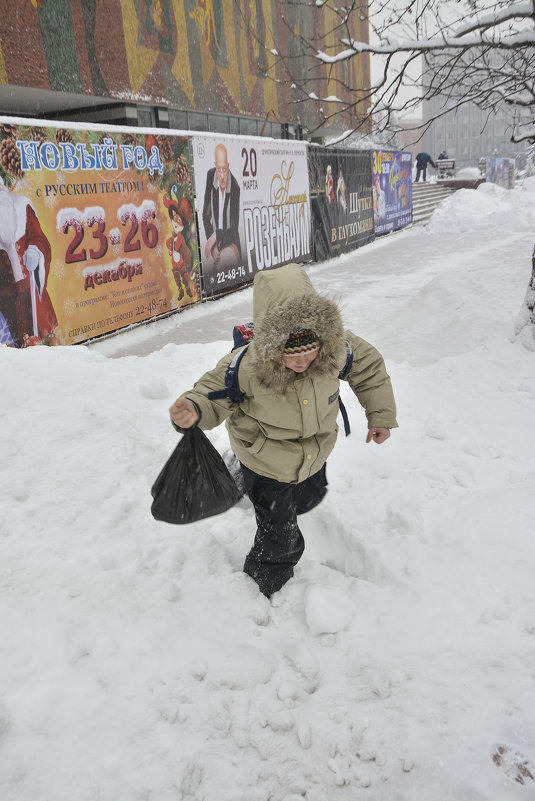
285	428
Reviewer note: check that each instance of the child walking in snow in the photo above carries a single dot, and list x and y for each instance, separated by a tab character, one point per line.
285	427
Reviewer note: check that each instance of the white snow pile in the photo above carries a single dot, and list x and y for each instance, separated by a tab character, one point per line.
468	174
139	662
493	206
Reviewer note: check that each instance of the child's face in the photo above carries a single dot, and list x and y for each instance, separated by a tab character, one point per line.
177	224
300	362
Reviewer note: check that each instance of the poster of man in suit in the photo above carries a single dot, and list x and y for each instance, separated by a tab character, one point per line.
253	207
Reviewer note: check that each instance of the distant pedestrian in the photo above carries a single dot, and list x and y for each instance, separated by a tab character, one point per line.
422	160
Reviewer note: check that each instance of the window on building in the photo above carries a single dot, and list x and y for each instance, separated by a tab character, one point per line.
218	123
197	121
248	126
178	119
182	120
146	117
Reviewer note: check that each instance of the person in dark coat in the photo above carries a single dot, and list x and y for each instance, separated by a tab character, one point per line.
422	160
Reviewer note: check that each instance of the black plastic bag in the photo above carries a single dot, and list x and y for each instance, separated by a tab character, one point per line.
194	482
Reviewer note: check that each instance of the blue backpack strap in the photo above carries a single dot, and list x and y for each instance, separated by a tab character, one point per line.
232	388
349	361
345	418
342	374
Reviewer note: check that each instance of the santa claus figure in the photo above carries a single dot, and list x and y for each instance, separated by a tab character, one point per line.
26	311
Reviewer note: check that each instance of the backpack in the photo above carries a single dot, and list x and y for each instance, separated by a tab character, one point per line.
242	335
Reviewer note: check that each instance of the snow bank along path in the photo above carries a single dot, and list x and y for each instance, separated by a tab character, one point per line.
140	663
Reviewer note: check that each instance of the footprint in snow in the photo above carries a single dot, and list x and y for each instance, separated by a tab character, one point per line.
336	545
327	610
516	765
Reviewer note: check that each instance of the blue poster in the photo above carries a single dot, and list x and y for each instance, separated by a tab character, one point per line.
392	190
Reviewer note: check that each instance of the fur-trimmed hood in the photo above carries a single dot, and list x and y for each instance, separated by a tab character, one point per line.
284	300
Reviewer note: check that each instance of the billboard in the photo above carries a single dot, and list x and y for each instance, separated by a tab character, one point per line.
342	202
253	210
392	189
97	231
500	171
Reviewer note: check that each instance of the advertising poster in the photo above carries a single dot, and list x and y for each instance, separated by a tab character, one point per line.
500	171
342	201
392	190
97	232
253	210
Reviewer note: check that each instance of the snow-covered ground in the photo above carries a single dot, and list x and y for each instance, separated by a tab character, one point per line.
139	663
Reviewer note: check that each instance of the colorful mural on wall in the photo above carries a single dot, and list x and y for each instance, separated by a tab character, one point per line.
188	54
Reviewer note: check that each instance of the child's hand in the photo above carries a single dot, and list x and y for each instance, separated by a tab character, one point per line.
377	434
183	413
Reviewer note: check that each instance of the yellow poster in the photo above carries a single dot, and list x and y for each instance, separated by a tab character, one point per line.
97	232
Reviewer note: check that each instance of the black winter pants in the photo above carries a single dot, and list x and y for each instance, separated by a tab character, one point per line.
278	544
421	171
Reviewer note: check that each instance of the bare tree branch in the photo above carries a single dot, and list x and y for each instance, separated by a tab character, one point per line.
469	51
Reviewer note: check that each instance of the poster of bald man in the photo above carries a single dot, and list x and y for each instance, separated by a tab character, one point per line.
252	202
221	212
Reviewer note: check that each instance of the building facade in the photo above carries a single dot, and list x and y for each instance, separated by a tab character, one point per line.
469	133
206	65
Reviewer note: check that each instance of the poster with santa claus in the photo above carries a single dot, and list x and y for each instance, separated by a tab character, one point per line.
97	231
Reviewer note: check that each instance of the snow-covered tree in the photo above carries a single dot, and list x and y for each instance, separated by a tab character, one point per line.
525	325
530	161
465	51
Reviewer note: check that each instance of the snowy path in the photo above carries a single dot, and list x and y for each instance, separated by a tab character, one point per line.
402	275
140	663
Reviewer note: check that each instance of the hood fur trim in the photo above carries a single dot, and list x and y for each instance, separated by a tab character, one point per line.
306	311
